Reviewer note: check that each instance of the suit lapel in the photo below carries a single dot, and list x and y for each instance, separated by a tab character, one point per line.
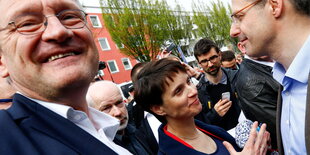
278	121
307	119
53	125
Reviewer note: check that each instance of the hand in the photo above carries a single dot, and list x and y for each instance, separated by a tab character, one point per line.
222	106
164	54
190	70
256	144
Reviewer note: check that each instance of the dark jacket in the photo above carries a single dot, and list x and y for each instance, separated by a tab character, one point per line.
144	132
209	115
28	128
170	146
131	142
257	93
146	136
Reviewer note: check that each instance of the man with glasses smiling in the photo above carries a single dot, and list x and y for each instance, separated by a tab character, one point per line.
280	30
218	109
48	54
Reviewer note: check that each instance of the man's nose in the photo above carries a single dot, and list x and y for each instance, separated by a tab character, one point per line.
55	31
116	112
234	30
210	64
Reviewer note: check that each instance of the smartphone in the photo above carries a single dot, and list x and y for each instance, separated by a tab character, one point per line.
170	47
226	95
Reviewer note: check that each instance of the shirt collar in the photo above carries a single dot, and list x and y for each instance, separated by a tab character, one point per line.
100	120
223	80
105	122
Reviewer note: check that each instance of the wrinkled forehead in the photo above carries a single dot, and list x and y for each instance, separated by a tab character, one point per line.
12	8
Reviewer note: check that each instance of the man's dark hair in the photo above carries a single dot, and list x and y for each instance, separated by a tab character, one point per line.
228	55
152	82
135	70
301	6
203	46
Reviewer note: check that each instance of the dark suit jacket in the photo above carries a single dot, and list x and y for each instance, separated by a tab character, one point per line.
29	128
145	136
307	121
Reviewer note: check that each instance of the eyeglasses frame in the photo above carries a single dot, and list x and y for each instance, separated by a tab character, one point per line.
45	23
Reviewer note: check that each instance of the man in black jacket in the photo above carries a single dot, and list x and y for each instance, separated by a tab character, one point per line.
215	89
257	91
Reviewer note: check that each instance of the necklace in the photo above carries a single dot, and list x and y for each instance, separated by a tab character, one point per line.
189	138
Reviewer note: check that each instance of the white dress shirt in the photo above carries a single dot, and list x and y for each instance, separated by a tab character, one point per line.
154	123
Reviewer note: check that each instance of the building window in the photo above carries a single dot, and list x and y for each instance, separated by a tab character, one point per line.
126	63
113	66
95	21
104	44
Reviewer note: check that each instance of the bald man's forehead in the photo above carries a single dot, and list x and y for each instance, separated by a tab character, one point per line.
111	97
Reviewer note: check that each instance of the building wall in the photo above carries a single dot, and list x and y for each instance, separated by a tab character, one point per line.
110	54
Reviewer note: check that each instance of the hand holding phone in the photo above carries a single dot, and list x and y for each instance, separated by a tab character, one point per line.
170	47
226	95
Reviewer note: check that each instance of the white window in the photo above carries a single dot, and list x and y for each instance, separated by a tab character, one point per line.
104	44
113	66
126	63
94	19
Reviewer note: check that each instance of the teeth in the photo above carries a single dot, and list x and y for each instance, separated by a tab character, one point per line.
52	58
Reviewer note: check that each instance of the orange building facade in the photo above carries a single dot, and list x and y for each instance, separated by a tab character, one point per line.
118	65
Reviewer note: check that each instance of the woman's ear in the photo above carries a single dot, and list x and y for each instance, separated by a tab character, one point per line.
158	109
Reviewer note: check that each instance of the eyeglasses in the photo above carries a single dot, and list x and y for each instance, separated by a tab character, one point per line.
236	18
211	59
33	23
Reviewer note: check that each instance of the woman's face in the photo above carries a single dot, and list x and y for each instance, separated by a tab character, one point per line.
180	100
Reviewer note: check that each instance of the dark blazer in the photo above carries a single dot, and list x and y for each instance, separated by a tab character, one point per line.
145	136
307	121
29	128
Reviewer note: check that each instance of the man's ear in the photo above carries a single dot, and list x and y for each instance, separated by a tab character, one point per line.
3	68
158	109
276	7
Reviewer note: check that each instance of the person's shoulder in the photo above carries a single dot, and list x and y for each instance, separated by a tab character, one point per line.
202	81
231	74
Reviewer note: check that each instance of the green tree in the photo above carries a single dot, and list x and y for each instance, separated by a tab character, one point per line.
213	21
142	27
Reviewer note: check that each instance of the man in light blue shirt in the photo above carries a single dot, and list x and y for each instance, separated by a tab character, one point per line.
280	29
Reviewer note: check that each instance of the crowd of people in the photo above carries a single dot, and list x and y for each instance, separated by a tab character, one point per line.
52	105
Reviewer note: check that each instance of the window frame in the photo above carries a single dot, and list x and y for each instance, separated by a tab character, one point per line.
114	62
128	60
107	43
98	20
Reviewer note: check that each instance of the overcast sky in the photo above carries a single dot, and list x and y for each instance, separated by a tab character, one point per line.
186	4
